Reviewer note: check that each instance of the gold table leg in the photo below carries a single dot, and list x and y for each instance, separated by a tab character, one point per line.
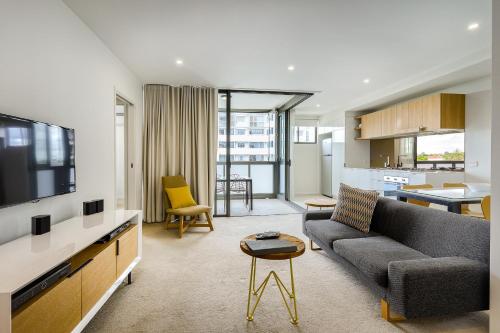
294	319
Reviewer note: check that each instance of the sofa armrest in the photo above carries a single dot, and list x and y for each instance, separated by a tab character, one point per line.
438	286
317	215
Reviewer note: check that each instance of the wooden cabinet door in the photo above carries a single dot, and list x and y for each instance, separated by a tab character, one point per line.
388	121
402	117
58	310
453	111
97	277
415	115
431	112
365	126
127	250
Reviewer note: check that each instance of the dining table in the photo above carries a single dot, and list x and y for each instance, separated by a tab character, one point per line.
453	198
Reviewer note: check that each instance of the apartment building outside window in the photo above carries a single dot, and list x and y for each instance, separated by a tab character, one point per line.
252	137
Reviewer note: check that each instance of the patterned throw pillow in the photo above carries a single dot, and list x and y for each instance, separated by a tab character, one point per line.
355	207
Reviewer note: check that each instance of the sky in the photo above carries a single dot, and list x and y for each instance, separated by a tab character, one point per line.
436	144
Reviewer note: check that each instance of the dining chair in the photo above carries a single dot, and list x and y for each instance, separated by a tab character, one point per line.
485	206
418	187
192	210
465	208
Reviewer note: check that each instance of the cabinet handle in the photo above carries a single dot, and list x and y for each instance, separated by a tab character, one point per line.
117	247
80	268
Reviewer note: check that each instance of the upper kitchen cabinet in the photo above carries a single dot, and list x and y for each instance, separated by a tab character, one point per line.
436	113
371	125
443	112
388	121
402	125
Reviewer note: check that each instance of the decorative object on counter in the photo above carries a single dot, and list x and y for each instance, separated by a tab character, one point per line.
40	224
355	207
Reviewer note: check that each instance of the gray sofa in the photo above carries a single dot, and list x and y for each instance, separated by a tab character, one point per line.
420	261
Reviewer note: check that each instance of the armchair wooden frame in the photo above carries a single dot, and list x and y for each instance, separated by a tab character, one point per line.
193	212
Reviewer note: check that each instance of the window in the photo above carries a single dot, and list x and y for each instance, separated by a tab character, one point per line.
304	134
256	145
257	131
441	150
245	127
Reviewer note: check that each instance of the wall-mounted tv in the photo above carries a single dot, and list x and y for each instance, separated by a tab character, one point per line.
37	160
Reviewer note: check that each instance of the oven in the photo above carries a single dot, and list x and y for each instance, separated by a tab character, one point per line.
392	184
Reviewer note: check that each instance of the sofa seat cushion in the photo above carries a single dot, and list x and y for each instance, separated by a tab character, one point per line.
372	255
328	231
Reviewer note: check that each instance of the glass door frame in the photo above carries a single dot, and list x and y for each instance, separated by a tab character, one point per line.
296	98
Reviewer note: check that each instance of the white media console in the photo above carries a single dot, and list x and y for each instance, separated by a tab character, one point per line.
97	271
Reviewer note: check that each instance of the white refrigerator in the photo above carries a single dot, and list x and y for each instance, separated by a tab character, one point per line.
326	166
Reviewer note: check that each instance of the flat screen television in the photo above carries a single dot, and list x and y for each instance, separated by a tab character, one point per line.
37	160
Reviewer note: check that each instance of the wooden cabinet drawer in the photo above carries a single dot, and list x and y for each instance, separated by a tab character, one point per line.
127	250
58	310
98	276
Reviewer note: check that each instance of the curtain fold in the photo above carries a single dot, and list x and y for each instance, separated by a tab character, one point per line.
179	138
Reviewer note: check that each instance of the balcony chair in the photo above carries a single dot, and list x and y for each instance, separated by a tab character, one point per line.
238	186
187	207
417	187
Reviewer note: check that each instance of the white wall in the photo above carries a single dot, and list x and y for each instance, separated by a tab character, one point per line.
495	178
306	170
478	137
53	68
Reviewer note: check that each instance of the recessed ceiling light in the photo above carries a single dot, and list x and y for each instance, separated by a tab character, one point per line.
318	105
291	67
473	26
179	62
366	81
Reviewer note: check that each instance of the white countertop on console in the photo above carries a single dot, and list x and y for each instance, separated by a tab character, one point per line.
26	258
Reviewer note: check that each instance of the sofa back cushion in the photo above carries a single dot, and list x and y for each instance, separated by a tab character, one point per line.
355	207
431	231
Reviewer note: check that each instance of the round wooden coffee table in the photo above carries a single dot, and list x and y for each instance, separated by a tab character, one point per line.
294	319
320	203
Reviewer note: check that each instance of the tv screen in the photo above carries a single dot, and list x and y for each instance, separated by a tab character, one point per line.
37	160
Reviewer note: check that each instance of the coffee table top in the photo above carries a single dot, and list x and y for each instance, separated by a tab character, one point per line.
319	202
301	247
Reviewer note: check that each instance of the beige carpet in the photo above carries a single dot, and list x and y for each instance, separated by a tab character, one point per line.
199	284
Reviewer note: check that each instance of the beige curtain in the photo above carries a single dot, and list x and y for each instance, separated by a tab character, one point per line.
179	138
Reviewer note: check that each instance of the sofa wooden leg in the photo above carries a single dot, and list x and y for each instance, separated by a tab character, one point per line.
311	244
385	311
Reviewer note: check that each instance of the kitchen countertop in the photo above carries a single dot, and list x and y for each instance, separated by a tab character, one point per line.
409	171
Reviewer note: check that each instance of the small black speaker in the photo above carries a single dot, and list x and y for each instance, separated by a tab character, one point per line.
89	207
99	205
40	224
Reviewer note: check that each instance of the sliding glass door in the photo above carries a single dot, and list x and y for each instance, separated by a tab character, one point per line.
253	149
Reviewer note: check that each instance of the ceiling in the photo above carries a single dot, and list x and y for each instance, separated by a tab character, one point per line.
403	46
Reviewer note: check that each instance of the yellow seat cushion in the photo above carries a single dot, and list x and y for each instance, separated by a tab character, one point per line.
180	197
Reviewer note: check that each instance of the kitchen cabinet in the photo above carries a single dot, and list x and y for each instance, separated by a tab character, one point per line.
437	113
371	125
415	114
388	121
402	117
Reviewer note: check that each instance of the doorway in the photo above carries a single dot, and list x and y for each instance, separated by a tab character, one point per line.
253	152
122	119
